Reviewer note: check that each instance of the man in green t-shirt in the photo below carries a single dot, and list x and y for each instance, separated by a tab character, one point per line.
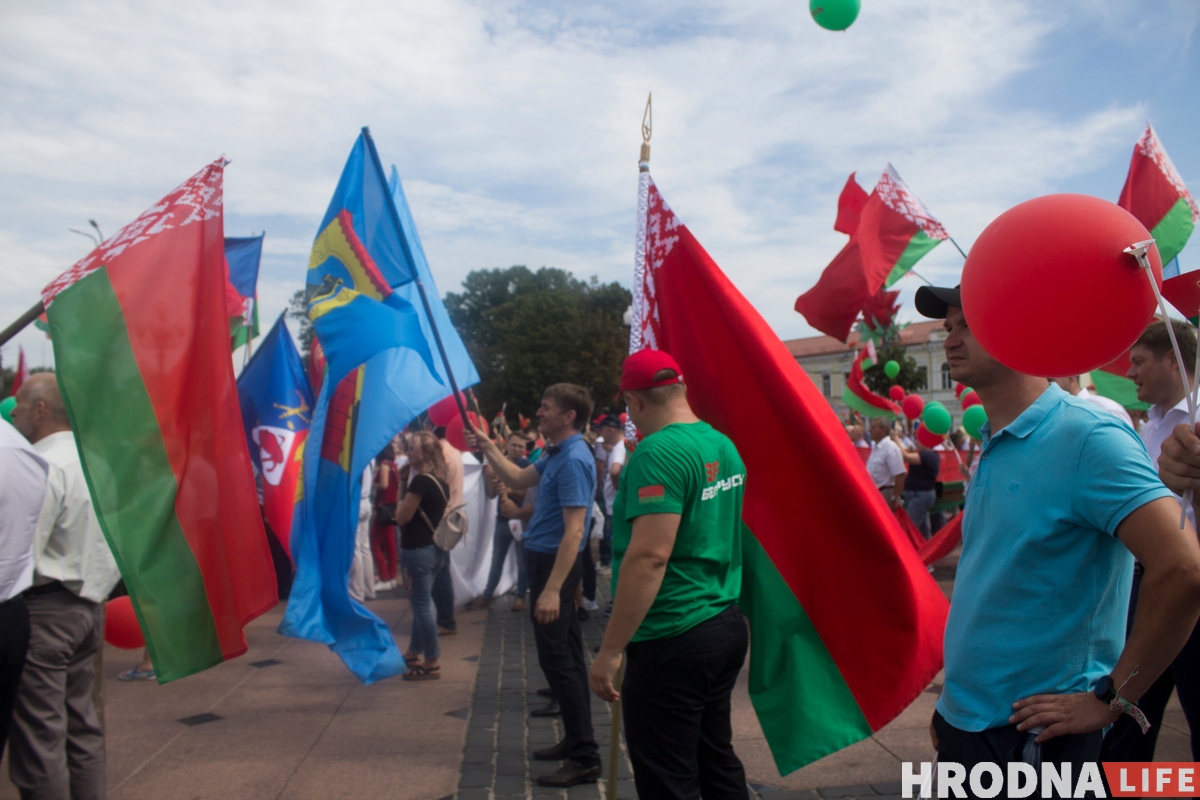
676	576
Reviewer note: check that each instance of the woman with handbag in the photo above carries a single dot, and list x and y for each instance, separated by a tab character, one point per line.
422	502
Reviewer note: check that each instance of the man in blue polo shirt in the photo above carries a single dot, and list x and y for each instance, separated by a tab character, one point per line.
1037	663
566	481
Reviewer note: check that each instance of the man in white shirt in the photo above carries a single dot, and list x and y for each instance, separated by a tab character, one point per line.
886	464
610	460
57	743
1072	385
22	490
1155	371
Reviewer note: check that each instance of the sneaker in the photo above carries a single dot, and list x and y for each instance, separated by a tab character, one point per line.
135	674
447	631
608	610
479	602
384	586
604	569
590	605
518	604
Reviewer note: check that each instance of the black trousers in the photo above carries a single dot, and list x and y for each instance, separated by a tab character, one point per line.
1125	741
14	643
561	657
1005	743
676	699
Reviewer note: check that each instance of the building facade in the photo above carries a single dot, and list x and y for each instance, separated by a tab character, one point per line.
827	362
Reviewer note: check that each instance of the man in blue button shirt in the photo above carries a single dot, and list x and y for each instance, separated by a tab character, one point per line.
1037	663
566	481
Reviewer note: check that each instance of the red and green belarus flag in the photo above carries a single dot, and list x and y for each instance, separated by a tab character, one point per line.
1155	194
846	623
892	232
141	346
859	397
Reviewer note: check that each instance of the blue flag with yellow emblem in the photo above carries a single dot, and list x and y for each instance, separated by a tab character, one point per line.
381	372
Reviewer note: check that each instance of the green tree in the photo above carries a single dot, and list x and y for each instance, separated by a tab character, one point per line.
526	330
298	310
888	348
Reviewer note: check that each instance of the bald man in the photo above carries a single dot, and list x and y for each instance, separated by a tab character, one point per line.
56	744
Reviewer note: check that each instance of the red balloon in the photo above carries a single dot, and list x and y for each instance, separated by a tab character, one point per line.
121	627
1049	291
913	405
624	418
928	437
959	388
441	412
896	393
454	429
970	399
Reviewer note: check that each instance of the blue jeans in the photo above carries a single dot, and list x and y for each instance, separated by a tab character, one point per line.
501	540
422	564
918	505
606	542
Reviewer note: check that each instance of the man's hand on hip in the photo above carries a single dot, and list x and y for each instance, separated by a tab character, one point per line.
1062	714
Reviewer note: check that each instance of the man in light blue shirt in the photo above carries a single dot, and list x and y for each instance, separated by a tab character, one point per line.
566	484
1035	644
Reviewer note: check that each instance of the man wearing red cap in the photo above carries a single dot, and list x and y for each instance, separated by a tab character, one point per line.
676	574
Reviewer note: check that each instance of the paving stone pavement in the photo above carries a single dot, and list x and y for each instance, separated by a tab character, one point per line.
500	732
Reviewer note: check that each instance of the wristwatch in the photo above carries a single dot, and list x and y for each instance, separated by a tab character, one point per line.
1104	690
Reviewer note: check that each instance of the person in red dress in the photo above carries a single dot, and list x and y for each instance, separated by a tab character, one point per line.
383	526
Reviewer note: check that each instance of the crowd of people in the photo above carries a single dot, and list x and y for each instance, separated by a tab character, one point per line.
1074	614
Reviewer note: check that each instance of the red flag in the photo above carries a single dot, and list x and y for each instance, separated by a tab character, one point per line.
836	654
894	232
22	373
850	206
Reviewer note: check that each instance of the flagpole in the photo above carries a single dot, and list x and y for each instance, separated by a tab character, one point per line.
437	337
21	323
960	250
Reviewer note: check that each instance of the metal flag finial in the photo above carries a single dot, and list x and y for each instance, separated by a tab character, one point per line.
647	129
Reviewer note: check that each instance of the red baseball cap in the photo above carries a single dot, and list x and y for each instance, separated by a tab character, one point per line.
639	370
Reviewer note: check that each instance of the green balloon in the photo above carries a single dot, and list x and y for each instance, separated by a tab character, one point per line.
891	369
6	407
972	419
936	418
834	15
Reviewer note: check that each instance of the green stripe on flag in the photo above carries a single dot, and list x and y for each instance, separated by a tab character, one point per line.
1172	231
1115	387
918	246
804	705
863	407
129	475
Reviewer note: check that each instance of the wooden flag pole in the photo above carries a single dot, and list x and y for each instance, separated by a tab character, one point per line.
614	742
21	323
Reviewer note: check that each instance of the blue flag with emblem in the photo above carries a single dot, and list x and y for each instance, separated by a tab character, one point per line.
381	373
277	406
242	257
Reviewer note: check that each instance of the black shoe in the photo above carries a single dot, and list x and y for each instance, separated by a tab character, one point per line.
557	752
545	692
570	774
551	709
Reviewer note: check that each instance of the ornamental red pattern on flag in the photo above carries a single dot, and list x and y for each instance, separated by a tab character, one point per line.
809	503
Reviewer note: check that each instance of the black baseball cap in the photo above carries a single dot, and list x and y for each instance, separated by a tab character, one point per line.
934	301
609	421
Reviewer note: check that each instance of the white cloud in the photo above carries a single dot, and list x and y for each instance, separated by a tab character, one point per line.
515	125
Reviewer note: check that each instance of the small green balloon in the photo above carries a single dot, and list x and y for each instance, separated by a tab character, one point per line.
972	419
6	407
834	15
891	369
937	419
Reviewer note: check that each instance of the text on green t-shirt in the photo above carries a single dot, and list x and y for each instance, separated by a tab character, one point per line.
696	472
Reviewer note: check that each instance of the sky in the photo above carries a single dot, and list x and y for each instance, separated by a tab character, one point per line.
515	126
